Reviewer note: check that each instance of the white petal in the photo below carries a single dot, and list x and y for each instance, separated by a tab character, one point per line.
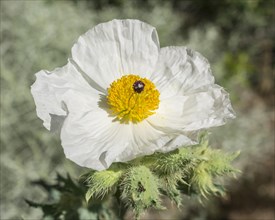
50	91
91	138
149	140
193	112
75	95
144	140
178	141
181	71
116	48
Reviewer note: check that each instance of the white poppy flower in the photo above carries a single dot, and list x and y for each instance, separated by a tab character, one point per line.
120	96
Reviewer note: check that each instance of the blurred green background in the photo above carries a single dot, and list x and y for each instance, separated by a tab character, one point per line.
237	37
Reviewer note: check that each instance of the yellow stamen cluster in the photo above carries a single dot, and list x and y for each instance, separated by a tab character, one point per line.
130	104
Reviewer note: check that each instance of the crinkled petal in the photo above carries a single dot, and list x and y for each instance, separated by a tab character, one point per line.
88	132
91	138
116	48
50	91
147	139
193	112
144	140
181	71
88	136
75	95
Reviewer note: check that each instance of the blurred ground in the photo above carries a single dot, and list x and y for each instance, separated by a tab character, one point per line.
236	37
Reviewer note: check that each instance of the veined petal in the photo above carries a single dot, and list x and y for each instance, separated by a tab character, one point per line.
144	140
50	91
181	71
87	137
92	139
193	112
148	139
116	48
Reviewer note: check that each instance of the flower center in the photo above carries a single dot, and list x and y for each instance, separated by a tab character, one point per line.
132	98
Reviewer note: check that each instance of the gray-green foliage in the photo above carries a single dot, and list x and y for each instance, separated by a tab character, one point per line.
66	201
38	35
34	36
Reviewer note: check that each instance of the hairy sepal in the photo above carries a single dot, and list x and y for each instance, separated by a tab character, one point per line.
101	183
140	189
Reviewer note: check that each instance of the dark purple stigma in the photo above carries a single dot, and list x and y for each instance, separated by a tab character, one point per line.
138	86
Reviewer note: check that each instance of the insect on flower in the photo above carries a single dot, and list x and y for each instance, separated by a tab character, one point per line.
121	96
